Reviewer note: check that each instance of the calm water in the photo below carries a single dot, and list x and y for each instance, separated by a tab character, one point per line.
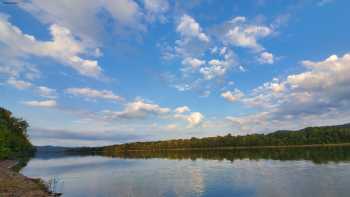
296	173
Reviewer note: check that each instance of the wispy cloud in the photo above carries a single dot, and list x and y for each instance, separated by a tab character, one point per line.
42	103
94	94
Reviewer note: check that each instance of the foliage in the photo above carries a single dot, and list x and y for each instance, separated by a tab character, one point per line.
13	136
307	136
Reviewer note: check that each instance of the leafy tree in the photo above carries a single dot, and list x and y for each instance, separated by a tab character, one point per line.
13	136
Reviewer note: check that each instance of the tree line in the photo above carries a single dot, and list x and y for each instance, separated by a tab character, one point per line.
307	136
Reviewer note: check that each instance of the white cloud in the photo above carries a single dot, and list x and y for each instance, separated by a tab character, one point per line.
157	5
136	110
236	33
242	34
198	74
320	95
156	9
232	96
219	67
238	19
125	12
183	87
266	58
13	68
94	94
182	109
277	87
194	119
84	17
46	92
189	28
171	126
250	123
63	47
19	84
43	104
216	68
193	62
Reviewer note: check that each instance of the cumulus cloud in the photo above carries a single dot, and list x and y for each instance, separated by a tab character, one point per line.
126	12
216	68
156	9
137	110
94	94
232	96
319	95
63	47
19	84
193	119
182	109
189	28
83	17
199	71
191	44
241	34
194	63
266	58
42	104
219	54
198	75
219	67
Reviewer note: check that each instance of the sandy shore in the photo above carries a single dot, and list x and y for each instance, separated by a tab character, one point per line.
14	184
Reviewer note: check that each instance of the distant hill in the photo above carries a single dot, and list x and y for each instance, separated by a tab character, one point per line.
49	152
339	134
51	148
343	126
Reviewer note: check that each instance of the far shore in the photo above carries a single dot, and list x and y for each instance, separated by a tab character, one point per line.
242	147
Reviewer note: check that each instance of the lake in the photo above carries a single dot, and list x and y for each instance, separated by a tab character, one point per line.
264	173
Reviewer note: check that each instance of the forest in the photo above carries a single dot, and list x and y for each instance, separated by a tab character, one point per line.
14	140
307	136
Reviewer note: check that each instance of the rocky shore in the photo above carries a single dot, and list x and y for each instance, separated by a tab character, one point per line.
15	184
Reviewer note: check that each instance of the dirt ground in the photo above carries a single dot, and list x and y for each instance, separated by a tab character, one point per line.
13	184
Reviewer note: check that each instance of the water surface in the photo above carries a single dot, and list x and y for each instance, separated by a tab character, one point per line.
265	173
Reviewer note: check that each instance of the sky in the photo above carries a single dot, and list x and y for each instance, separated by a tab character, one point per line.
92	73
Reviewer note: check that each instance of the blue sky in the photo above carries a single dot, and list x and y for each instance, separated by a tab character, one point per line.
113	71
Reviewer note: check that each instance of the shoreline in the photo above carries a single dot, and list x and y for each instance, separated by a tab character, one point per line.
14	184
242	147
